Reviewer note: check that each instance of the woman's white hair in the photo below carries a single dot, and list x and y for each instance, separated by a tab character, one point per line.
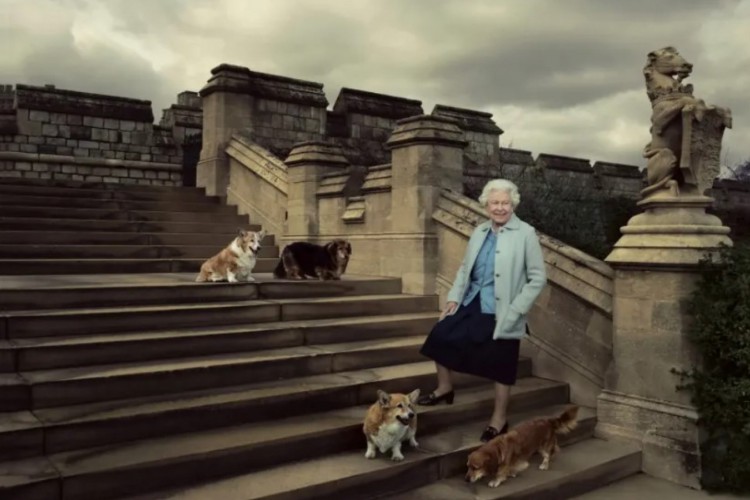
500	185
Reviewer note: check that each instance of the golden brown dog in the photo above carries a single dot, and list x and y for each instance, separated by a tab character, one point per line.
508	454
390	421
236	261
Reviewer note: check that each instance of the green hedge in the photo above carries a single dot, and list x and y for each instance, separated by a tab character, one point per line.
720	388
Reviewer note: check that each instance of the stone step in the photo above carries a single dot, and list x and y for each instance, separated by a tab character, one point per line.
34	236
349	475
165	462
98	186
48	430
15	267
123	192
52	251
579	469
56	322
226	214
176	205
117	290
162	228
87	384
51	430
87	350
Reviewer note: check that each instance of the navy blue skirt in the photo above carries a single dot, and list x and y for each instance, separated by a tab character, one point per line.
463	342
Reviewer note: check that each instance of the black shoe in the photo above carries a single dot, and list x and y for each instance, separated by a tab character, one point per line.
431	400
491	433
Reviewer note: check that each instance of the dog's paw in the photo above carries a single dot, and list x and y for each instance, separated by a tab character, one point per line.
495	483
397	457
370	454
413	443
544	466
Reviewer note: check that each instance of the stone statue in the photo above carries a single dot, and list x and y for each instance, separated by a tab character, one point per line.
684	152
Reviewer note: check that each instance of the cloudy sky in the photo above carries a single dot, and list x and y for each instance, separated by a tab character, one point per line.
559	76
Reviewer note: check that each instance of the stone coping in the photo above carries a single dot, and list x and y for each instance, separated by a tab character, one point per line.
75	160
371	103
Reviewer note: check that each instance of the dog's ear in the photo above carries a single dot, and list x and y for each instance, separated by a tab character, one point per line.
348	248
495	455
383	398
241	233
261	234
414	395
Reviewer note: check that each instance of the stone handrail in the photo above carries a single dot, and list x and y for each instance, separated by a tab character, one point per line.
258	183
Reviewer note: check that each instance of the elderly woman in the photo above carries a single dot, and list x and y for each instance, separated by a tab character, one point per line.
479	330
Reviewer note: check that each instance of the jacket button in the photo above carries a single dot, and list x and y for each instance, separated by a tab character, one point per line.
497	276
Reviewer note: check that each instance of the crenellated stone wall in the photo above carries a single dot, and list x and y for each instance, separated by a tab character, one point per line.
50	133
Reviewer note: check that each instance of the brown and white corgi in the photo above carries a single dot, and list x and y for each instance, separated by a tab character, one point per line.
236	261
390	421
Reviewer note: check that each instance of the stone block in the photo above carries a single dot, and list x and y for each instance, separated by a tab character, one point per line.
64	131
74	120
149	174
127	125
100	134
105	146
145	157
81	152
135	173
120	155
110	154
28	148
21	139
102	171
119	172
114	136
23	166
88	144
39	116
12	147
69	169
76	177
96	153
55	141
58	118
93	178
40	167
163	175
84	169
157	182
49	130
65	150
132	156
91	121
111	123
113	180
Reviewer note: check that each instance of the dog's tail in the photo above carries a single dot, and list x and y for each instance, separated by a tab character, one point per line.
280	270
567	421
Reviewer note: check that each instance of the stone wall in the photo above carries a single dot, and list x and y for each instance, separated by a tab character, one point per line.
50	133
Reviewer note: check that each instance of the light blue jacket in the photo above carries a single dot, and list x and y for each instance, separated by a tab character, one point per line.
520	274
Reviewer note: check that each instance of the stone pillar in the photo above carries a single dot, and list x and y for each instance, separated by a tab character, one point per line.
655	264
225	110
307	163
426	157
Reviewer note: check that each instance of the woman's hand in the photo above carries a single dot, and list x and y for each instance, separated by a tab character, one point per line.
450	308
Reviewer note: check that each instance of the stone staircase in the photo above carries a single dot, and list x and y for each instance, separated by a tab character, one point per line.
122	378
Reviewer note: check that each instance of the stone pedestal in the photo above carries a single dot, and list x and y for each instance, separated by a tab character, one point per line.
307	163
655	265
426	157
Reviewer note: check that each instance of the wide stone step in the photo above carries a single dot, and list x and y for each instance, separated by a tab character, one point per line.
45	323
349	475
48	430
111	290
79	226
178	205
60	352
97	191
68	386
36	237
225	214
98	186
145	466
203	251
15	267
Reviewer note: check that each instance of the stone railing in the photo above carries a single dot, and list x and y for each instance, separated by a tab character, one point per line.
571	321
257	184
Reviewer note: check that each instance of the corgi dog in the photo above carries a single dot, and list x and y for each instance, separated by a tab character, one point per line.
236	261
508	454
390	421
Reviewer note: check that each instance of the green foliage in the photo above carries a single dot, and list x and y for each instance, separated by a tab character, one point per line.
720	387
